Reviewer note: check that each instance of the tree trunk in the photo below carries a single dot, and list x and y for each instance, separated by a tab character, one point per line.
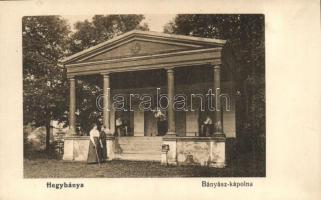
47	135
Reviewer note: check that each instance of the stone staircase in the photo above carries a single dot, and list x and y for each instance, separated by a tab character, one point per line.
138	148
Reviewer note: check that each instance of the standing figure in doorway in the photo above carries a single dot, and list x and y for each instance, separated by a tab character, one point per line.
94	146
207	126
161	122
119	125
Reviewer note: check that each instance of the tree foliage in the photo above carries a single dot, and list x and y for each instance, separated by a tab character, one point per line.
44	81
102	28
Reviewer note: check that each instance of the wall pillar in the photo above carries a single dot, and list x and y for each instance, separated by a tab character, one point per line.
106	93
72	105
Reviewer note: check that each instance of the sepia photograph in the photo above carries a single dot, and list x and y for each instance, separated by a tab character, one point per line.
144	95
180	99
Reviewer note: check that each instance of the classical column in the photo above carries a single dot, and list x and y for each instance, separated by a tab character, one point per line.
72	105
170	93
106	108
110	140
217	89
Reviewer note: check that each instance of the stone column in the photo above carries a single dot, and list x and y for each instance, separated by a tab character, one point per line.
218	130
72	105
217	144
110	140
170	92
169	141
106	94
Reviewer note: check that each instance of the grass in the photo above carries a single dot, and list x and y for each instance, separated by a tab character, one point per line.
54	168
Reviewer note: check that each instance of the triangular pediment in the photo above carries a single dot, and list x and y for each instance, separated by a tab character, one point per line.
140	43
136	47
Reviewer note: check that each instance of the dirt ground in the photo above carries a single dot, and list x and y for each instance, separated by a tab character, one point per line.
54	168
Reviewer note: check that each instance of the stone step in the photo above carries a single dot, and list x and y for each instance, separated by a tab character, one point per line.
140	147
143	137
149	152
126	141
140	138
149	143
152	144
140	157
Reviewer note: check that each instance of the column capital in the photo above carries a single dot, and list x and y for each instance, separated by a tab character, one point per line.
106	75
169	69
71	78
216	66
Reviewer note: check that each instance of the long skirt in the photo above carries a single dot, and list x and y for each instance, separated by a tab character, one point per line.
93	153
104	151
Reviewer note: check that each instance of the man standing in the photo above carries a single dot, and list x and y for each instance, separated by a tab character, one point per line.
102	140
119	124
207	124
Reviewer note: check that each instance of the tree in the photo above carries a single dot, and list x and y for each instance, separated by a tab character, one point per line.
89	33
245	42
102	28
44	81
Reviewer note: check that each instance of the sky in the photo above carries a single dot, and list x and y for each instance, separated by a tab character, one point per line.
154	21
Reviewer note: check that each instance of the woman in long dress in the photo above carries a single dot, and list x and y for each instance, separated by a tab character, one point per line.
94	146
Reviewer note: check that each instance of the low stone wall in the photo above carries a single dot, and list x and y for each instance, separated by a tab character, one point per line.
76	148
204	151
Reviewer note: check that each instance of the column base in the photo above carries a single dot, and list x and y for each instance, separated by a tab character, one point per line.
170	134
219	134
166	161
169	156
217	165
110	147
71	131
68	150
170	163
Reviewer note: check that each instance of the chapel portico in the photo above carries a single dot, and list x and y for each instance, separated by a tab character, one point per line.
143	51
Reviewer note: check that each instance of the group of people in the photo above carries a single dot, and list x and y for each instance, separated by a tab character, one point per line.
97	152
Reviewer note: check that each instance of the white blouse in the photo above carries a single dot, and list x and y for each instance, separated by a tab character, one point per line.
93	133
